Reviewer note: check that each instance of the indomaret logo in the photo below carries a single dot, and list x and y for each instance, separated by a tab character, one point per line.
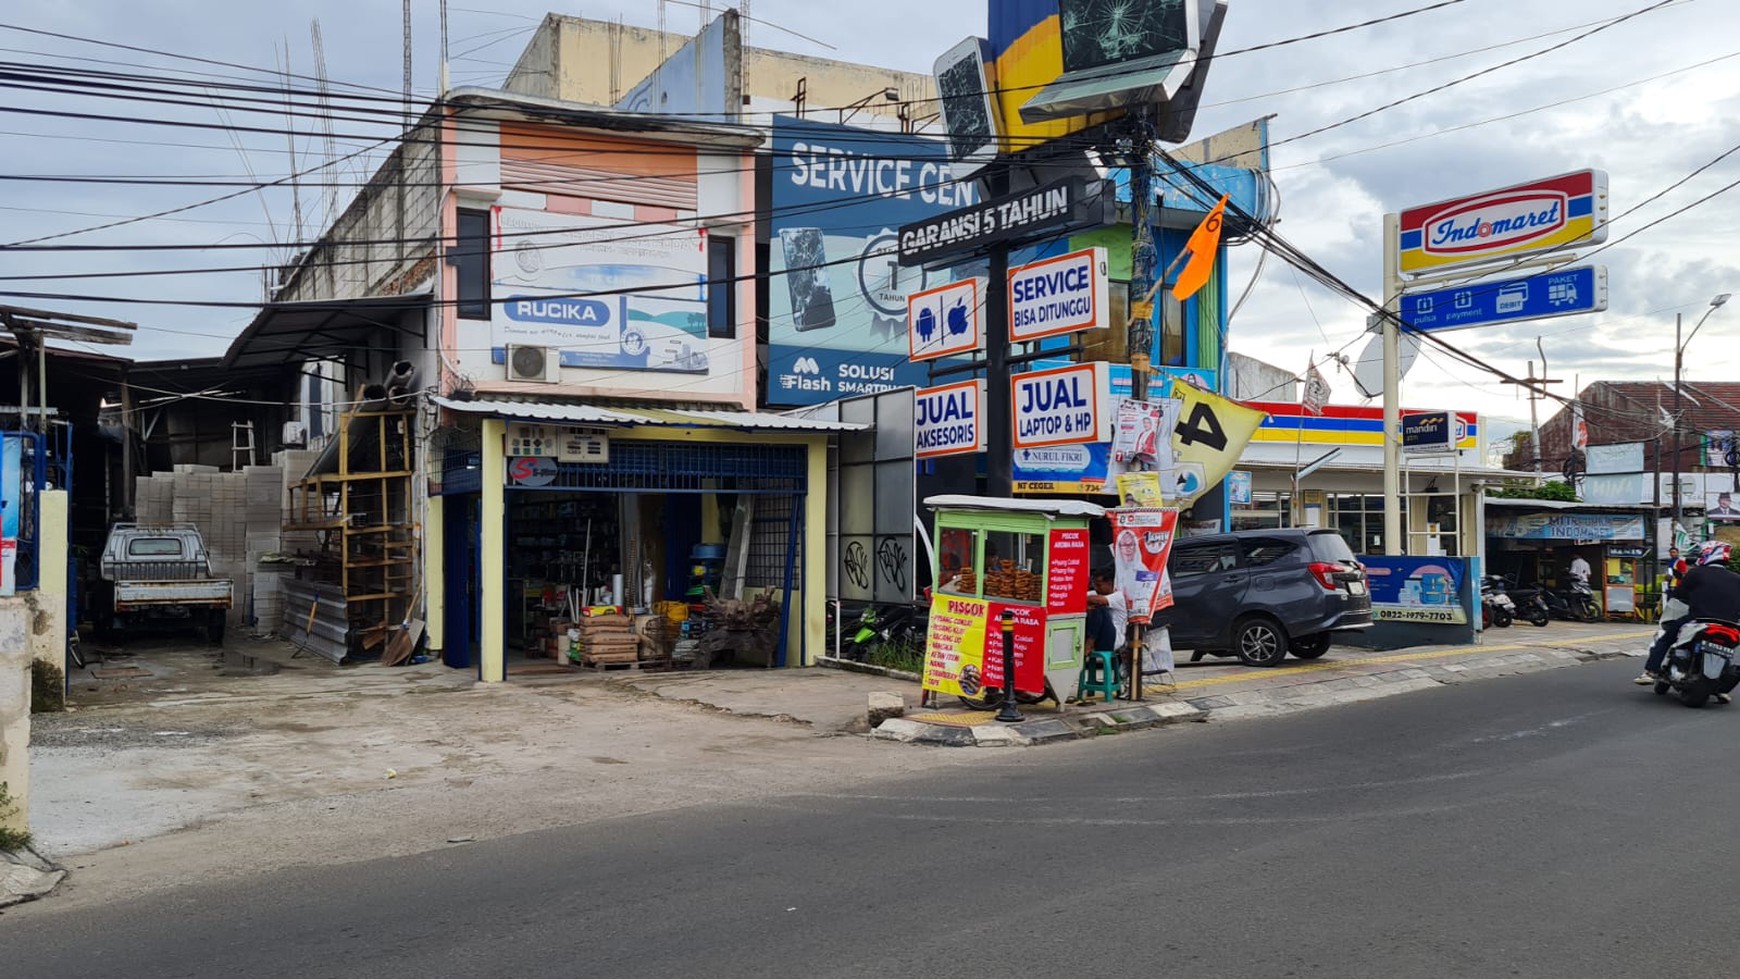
1495	222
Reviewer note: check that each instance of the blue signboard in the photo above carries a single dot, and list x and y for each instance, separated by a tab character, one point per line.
836	291
1578	290
1416	589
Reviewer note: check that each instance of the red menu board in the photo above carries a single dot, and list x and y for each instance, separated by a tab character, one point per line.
1029	647
1066	581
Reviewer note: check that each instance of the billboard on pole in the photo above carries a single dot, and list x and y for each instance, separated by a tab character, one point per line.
1505	223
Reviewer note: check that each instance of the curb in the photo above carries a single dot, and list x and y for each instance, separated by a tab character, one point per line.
1136	717
853	666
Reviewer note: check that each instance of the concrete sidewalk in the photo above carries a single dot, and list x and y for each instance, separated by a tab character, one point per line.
1229	690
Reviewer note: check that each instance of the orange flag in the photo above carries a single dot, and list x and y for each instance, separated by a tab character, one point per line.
1204	243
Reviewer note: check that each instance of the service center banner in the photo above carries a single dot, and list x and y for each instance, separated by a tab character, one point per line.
1055	296
964	647
949	420
837	293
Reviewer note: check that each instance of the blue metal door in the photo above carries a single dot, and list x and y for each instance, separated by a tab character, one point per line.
460	626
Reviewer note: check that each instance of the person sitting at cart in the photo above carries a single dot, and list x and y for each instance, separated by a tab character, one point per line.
1107	616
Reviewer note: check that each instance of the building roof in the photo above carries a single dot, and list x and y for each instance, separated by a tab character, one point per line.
328	329
1640	411
598	117
1511	503
570	413
1055	508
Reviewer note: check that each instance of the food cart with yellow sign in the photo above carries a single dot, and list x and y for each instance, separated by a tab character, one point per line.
1029	557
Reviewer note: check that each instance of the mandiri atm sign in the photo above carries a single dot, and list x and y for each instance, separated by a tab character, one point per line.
1499	224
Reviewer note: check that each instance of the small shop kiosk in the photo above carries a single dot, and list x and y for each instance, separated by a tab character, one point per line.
1030	557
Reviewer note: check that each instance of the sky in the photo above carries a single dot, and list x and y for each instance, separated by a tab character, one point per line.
1649	100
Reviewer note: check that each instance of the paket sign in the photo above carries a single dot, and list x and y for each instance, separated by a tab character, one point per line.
1065	406
949	420
1519	220
1059	295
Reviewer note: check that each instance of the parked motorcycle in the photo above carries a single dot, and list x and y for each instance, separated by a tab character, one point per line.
1497	610
1531	605
1574	604
878	625
1702	662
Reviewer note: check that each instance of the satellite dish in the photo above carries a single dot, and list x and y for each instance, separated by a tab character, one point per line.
1368	370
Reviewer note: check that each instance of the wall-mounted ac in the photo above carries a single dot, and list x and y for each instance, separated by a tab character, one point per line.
539	364
295	434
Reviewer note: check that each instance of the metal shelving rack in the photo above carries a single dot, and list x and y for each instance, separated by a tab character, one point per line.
364	515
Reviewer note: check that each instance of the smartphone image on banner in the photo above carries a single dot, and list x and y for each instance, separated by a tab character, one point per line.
806	272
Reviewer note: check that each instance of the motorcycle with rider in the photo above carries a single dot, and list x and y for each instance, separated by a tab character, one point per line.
1696	653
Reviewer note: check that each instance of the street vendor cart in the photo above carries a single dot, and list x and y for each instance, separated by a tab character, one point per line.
1029	557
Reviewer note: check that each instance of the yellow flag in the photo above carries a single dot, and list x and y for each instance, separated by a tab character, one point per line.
1211	433
1204	244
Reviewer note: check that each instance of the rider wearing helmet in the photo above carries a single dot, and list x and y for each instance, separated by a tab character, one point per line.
1707	591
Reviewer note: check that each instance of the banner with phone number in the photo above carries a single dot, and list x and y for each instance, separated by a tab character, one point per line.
963	647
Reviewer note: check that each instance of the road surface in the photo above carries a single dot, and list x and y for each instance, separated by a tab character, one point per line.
1542	825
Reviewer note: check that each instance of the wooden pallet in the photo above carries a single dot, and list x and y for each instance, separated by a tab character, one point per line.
625	667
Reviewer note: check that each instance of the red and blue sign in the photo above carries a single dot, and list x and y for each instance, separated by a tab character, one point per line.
1507	223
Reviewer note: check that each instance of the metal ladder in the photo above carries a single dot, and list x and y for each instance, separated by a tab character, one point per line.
241	445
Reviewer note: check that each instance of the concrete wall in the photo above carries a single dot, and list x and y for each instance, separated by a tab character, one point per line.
599	62
15	654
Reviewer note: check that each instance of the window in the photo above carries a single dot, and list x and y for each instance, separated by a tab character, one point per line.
1189	561
721	287
154	547
1015	567
956	550
470	261
1266	550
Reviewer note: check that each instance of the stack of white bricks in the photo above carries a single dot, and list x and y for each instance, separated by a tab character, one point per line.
240	517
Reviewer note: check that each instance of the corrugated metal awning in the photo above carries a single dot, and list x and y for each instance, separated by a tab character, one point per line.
570	413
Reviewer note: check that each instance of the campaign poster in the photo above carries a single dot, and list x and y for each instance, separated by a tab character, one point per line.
1141	543
837	295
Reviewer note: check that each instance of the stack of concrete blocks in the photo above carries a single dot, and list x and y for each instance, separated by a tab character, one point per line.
240	517
263	529
295	463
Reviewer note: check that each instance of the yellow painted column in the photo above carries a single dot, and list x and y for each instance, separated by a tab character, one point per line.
815	559
51	572
434	570
493	618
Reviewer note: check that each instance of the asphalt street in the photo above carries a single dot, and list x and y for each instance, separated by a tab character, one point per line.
1562	823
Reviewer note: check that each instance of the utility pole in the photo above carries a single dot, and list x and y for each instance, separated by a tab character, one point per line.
1679	356
1537	387
1392	333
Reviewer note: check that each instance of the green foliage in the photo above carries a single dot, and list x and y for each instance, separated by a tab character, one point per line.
10	839
907	656
1559	491
47	688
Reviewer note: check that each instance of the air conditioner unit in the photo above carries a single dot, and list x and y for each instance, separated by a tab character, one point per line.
540	364
295	433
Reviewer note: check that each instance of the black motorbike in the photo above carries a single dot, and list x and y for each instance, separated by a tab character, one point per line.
1573	604
1702	662
1531	605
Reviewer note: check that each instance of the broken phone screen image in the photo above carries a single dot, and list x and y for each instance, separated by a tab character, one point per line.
806	270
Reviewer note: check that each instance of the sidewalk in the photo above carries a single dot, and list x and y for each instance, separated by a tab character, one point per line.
1228	690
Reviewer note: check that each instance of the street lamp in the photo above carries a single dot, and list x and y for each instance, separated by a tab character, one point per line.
890	94
1679	358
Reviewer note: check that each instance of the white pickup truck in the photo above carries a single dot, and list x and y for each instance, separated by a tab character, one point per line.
160	577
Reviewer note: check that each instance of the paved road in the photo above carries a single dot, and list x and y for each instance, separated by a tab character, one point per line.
1507	828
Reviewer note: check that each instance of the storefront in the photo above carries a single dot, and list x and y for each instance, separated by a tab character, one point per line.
1535	541
561	508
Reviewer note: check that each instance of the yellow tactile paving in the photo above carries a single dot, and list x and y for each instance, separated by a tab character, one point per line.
1264	674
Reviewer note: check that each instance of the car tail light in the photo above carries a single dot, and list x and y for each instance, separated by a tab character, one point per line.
1325	574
